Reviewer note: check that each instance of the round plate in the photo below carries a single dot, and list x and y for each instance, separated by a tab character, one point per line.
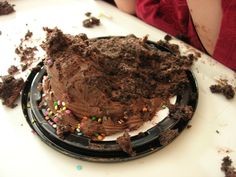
82	147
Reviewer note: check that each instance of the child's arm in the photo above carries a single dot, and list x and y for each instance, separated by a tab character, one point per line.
127	6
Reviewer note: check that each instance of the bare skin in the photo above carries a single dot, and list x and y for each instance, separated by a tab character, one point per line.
206	15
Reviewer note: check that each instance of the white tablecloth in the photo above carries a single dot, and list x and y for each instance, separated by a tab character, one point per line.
197	152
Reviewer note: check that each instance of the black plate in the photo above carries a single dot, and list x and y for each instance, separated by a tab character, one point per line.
81	147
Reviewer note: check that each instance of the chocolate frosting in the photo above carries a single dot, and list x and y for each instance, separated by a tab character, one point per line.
122	80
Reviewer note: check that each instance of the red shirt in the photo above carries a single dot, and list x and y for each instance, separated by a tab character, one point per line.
173	17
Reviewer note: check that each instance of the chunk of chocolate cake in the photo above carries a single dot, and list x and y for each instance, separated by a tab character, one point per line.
103	86
10	89
227	167
6	8
125	143
225	89
12	70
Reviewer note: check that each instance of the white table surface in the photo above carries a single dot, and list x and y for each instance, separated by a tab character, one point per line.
197	152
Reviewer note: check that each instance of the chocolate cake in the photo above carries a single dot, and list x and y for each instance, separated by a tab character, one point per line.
98	87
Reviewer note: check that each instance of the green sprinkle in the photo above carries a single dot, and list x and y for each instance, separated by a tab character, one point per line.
55	103
94	118
96	134
79	167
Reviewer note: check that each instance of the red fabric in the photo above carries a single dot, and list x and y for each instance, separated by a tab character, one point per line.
173	17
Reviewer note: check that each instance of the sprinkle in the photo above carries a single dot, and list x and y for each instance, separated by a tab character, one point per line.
55	103
54	125
58	102
50	113
33	121
99	120
63	103
64	108
55	119
79	133
85	118
78	126
49	62
82	124
94	118
78	167
46	118
56	107
145	109
46	113
78	130
48	109
102	134
50	122
100	137
68	111
96	134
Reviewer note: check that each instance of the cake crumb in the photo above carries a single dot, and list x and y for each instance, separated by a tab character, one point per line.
91	21
167	37
6	8
12	70
125	143
189	126
227	167
10	89
225	89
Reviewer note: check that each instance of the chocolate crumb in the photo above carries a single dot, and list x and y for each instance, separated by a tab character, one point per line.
0	32
225	89
12	70
26	54
189	126
167	136
88	14
167	37
10	89
28	35
91	22
227	167
125	143
217	131
24	67
6	8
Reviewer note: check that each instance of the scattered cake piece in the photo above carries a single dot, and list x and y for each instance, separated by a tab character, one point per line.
10	89
227	167
125	143
167	136
90	21
26	54
6	8
225	89
167	37
12	70
180	112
